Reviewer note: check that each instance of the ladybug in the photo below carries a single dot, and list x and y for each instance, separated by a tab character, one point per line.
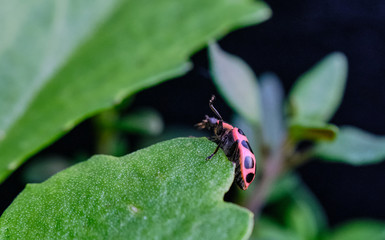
235	145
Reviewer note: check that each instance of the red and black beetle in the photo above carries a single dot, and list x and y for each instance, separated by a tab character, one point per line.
234	144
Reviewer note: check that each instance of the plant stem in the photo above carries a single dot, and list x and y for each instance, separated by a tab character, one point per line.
106	135
274	165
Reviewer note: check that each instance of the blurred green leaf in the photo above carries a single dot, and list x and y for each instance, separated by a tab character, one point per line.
273	128
312	130
283	187
143	121
305	215
268	230
170	132
296	209
318	93
139	196
353	146
236	82
63	61
41	168
359	230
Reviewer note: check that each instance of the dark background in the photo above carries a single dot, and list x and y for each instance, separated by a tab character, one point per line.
297	36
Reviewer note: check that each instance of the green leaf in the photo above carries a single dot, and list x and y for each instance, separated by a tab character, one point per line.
63	61
359	230
292	201
353	146
284	187
143	121
166	191
273	127
318	93
44	167
267	229
236	82
170	132
305	215
312	130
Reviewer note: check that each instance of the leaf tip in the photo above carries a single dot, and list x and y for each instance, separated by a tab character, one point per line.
339	60
262	13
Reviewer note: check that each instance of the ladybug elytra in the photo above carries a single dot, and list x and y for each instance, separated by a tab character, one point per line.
234	144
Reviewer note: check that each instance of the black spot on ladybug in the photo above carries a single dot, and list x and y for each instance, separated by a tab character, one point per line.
248	162
249	177
246	145
241	132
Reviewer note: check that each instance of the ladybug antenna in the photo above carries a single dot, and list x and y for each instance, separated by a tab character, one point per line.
213	108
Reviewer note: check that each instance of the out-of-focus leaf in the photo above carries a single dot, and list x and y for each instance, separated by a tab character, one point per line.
305	215
266	229
63	61
237	83
318	93
359	230
40	169
353	146
284	187
170	132
166	191
143	121
312	130
272	110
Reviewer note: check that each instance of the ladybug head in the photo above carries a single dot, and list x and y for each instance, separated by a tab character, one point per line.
208	123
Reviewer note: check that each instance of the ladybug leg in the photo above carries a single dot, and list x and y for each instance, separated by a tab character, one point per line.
218	140
215	151
213	139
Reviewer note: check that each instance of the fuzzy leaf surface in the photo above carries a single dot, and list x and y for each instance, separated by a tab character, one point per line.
166	191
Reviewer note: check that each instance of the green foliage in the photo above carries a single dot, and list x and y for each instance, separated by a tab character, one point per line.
304	216
312	101
272	96
61	62
144	121
314	98
298	214
283	187
359	230
312	130
267	229
234	78
166	191
353	146
317	93
298	209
